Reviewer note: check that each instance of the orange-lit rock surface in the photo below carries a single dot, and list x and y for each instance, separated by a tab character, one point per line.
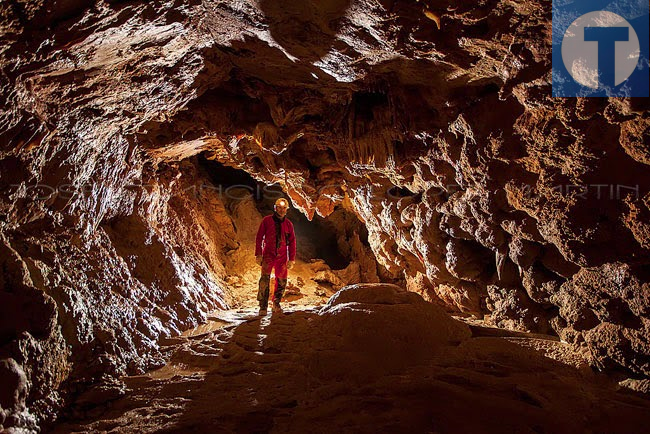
373	359
430	121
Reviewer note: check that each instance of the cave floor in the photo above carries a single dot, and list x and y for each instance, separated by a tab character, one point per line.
244	373
302	290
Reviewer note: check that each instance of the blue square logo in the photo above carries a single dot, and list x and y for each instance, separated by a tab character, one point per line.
600	48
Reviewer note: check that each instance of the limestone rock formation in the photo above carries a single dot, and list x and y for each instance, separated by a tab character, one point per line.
431	121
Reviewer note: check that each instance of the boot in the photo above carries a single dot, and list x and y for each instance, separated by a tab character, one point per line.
263	311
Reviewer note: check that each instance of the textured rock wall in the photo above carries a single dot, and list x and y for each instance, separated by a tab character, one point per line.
102	252
81	308
433	121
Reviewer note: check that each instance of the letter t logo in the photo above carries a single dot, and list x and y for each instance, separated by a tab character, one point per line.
606	38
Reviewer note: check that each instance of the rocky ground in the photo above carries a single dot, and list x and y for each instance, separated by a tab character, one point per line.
363	362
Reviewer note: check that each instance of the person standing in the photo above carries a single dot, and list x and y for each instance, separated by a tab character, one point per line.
275	249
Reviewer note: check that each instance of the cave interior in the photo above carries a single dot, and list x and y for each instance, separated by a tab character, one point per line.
473	254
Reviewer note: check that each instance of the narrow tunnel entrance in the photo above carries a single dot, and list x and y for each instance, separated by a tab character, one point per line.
318	238
330	252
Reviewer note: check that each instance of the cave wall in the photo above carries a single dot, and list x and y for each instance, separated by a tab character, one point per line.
82	305
433	121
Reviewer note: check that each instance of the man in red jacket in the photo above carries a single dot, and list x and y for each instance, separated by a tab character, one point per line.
274	245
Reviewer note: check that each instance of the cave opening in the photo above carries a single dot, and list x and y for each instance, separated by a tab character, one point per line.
331	251
318	236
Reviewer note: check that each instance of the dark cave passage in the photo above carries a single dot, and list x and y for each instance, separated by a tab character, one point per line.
320	238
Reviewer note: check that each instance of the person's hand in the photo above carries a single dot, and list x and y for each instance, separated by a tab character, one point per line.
258	259
290	265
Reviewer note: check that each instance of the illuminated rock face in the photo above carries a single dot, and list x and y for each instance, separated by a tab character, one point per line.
434	124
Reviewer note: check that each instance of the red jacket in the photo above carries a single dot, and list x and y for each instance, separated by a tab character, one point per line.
265	242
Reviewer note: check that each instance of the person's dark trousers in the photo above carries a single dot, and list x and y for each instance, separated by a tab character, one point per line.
263	290
270	263
280	286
